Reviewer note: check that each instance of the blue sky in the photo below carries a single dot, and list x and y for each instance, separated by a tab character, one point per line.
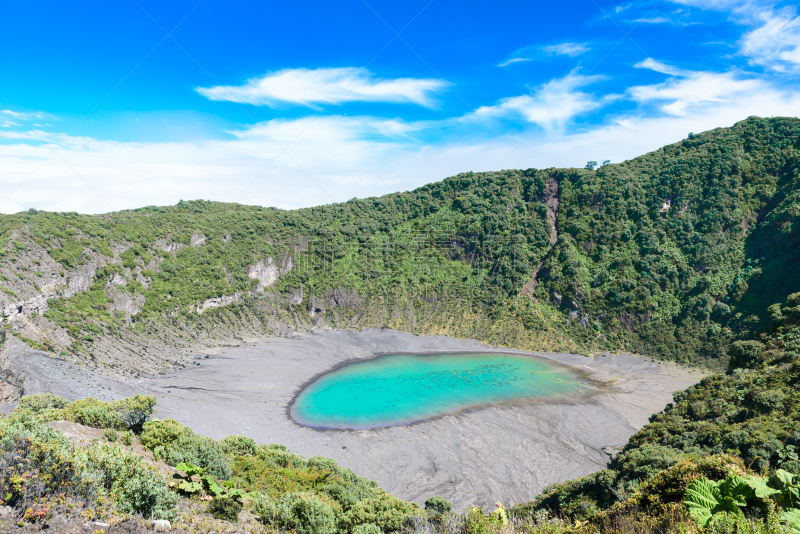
107	106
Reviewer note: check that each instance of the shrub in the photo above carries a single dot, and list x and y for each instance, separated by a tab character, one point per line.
280	456
91	412
161	432
438	505
171	441
201	451
769	399
110	435
367	528
264	508
135	411
306	513
127	437
237	445
136	487
37	403
39	467
386	511
322	463
341	494
125	414
225	508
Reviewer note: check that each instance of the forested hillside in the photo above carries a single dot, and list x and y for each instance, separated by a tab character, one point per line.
676	254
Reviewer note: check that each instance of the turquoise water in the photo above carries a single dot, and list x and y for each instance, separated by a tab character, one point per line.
402	388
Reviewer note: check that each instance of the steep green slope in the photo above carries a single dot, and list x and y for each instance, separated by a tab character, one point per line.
675	253
752	412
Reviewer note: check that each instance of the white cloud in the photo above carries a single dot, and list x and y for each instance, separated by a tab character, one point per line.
551	105
658	66
689	93
22	115
531	52
334	158
513	60
773	41
567	49
326	86
774	44
653	20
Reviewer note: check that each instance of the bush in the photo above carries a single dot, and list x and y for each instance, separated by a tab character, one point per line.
110	435
39	467
200	451
125	414
162	433
171	441
237	445
280	456
135	411
386	511
127	437
438	505
225	508
38	403
306	513
136	487
92	412
322	463
367	528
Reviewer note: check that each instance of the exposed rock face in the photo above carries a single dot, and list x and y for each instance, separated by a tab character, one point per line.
142	280
118	280
267	272
80	281
37	304
169	246
124	302
550	198
315	306
343	299
54	287
216	302
198	239
295	297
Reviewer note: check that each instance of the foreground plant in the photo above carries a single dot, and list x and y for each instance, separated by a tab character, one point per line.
748	496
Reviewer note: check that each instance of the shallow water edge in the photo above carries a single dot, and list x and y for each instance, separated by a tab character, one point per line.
553	381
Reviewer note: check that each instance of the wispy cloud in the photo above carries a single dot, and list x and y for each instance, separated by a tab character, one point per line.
653	20
309	87
773	40
775	43
567	49
688	93
290	163
513	60
550	105
532	52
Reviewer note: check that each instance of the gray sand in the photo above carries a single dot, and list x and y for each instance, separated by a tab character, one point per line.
507	453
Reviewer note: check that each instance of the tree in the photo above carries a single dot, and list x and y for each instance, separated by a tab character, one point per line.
591	165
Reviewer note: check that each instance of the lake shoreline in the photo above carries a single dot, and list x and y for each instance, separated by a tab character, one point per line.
593	387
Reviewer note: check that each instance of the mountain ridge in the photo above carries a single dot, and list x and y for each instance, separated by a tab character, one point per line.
673	254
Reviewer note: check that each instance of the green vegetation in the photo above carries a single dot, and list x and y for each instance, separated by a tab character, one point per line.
283	489
126	414
41	473
747	417
688	253
676	253
708	501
